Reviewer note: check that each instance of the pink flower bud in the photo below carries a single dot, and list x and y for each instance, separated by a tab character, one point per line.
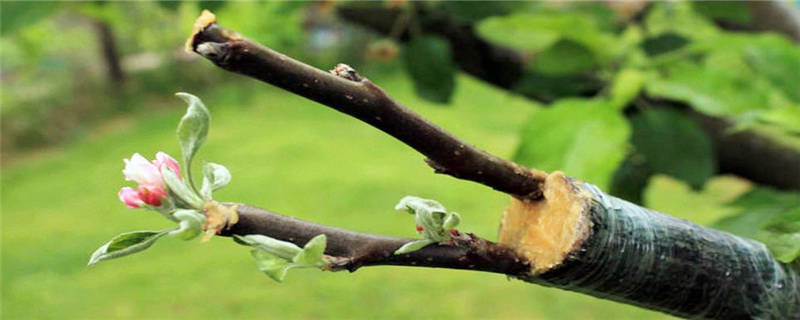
130	197
163	159
147	174
138	169
152	195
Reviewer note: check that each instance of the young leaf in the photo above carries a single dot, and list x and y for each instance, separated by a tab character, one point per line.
192	131
413	246
180	189
125	244
429	63
281	249
584	138
451	221
673	144
190	225
271	265
215	176
412	204
312	252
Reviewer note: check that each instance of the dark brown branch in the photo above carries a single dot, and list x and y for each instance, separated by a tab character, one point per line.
362	249
741	154
500	66
366	102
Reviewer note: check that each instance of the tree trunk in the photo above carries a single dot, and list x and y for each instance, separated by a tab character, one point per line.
108	49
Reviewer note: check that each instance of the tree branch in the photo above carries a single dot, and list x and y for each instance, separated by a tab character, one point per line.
361	249
366	102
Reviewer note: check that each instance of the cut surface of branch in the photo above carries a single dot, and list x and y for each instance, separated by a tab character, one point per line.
546	231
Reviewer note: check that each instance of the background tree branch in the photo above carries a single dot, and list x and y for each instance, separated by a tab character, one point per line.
775	163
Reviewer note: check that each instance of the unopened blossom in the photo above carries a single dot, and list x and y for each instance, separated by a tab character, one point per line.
151	189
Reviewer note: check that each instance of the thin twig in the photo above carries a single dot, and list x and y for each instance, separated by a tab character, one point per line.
355	249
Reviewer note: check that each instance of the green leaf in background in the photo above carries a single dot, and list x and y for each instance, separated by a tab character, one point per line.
673	144
192	131
564	57
429	63
777	59
215	176
312	252
534	32
679	18
19	14
472	11
663	43
171	5
770	216
713	88
728	11
626	86
551	88
584	138
631	179
126	244
782	235
788	118
215	5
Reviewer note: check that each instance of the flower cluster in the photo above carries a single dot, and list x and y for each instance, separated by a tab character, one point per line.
151	189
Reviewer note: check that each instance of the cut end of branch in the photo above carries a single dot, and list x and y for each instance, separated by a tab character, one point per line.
545	232
205	29
205	19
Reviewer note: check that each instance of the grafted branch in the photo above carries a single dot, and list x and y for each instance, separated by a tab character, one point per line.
358	249
366	102
557	232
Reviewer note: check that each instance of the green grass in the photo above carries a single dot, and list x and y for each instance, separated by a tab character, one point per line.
286	154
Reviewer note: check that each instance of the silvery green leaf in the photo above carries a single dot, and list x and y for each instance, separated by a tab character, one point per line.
413	204
190	225
273	266
192	131
282	249
125	244
180	189
215	176
413	246
312	252
452	221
